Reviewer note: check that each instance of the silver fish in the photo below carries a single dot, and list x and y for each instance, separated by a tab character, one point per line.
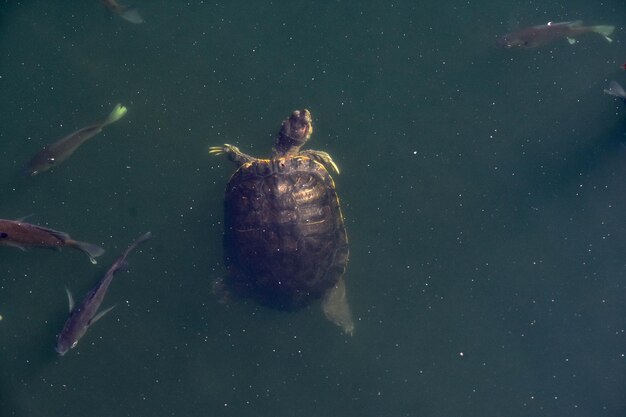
86	313
57	152
534	36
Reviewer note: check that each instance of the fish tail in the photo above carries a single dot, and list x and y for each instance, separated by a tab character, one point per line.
118	112
604	30
120	8
616	90
132	16
91	250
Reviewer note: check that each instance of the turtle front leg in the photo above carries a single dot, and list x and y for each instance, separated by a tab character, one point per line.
232	153
323	158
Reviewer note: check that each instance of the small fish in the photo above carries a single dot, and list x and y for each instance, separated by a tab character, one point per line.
616	90
18	234
534	36
86	313
130	15
57	152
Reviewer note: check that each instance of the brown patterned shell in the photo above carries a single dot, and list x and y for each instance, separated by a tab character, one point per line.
285	242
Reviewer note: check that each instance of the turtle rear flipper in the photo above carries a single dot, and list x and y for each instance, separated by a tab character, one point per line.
336	308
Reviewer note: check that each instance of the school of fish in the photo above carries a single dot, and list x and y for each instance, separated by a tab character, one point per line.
19	234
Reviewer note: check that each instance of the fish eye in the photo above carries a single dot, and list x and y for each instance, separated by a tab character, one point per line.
3	235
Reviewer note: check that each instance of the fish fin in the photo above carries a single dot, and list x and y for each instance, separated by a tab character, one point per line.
132	16
15	245
70	299
124	265
605	31
100	315
91	250
118	112
571	41
59	235
21	219
144	237
616	90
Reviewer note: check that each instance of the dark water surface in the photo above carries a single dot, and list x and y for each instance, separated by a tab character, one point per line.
484	192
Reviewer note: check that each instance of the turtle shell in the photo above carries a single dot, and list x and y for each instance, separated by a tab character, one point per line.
285	243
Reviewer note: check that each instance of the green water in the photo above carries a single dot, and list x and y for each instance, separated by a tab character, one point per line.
483	191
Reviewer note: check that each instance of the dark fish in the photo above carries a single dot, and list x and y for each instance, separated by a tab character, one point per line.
84	315
57	152
538	35
21	235
126	13
616	90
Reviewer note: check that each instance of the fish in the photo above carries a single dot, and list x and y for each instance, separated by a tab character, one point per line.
534	36
53	154
616	90
126	13
86	313
19	234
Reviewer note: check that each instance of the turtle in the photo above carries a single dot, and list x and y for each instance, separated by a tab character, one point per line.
285	243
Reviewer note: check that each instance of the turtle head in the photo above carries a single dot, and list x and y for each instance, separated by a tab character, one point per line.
295	132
